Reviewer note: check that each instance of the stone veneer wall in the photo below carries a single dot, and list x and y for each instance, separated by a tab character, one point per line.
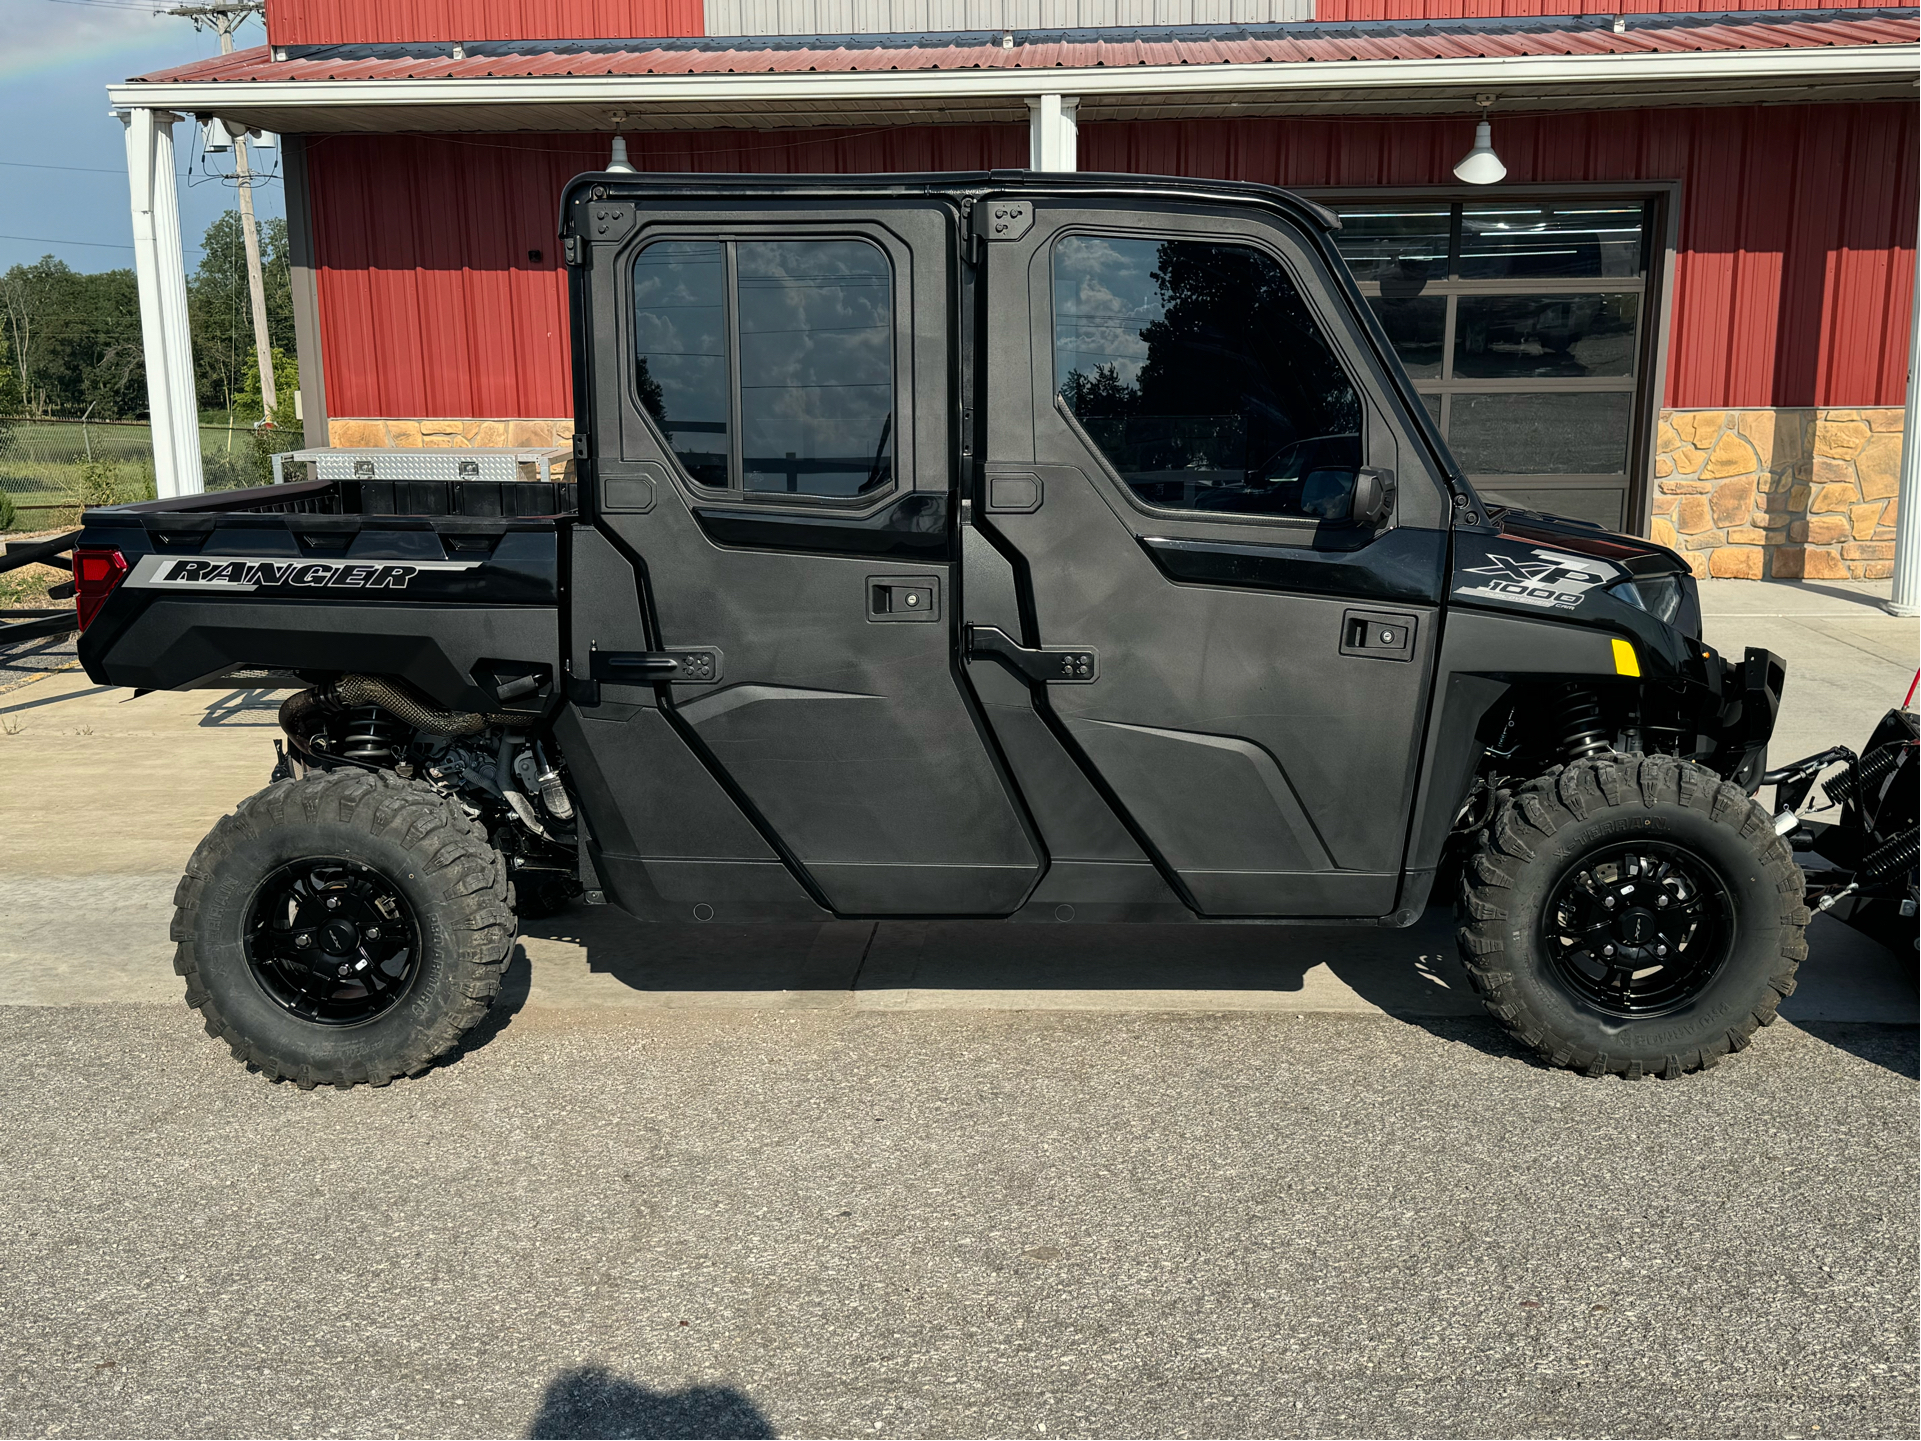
1779	494
455	434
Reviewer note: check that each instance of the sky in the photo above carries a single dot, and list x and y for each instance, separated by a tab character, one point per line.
63	156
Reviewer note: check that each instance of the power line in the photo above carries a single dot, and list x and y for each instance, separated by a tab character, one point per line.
84	169
98	244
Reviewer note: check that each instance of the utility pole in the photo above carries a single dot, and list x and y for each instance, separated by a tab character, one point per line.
224	20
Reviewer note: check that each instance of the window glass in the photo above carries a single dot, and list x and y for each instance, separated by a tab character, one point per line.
1201	375
1407	243
1496	336
802	352
1416	327
680	338
1541	434
816	367
1501	240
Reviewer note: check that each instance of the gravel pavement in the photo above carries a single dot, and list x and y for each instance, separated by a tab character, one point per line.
989	1223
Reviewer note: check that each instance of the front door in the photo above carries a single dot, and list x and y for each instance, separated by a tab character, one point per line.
774	437
1177	406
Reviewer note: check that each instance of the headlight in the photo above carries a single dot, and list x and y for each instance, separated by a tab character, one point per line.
1658	595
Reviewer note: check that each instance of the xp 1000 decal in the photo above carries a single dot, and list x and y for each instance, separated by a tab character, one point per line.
241	573
1549	579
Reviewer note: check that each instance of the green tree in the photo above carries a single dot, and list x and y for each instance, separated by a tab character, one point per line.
72	340
220	311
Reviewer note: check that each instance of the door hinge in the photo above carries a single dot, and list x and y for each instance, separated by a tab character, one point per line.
573	249
1056	664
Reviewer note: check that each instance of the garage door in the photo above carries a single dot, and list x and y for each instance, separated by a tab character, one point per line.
1524	325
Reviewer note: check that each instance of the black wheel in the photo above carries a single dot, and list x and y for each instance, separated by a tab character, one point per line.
1631	914
348	926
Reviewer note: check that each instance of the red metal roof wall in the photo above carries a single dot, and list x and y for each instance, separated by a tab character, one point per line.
429	305
1792	282
381	22
1327	10
1795	264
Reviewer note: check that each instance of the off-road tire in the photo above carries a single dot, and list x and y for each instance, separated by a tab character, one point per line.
418	840
1537	834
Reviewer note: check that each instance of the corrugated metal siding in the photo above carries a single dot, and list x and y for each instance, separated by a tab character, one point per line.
914	17
429	305
1330	10
1048	50
379	22
1795	269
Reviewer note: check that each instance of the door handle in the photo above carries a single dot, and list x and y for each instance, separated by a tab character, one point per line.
649	667
1379	635
1056	664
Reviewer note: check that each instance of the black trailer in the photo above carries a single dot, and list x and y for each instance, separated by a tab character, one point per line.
1041	548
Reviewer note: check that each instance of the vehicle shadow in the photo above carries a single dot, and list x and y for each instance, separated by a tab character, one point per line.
1852	993
1412	974
591	1401
245	708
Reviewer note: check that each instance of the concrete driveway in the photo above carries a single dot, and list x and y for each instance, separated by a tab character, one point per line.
927	1179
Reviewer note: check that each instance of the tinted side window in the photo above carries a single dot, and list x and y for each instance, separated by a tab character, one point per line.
1203	378
769	365
816	367
680	336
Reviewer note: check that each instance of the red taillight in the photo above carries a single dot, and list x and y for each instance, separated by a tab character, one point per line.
96	571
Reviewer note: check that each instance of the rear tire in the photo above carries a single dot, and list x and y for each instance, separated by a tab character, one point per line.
287	896
1628	829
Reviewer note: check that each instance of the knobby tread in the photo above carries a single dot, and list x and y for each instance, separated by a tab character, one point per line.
1533	812
455	859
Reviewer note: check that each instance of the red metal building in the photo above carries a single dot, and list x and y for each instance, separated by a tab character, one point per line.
1764	162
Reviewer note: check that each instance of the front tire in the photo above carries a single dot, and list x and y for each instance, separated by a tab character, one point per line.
344	927
1632	915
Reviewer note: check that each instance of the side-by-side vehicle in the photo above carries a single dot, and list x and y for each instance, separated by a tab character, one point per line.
1045	548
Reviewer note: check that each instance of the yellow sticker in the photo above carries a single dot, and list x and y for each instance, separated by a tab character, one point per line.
1624	661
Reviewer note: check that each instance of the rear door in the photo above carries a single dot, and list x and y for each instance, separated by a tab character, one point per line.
775	434
1177	405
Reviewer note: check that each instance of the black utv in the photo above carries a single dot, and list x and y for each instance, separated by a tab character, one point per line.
1040	548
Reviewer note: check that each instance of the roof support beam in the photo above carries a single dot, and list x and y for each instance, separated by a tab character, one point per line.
1053	134
161	274
1906	597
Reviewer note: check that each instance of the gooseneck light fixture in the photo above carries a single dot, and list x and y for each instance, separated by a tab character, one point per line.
1481	166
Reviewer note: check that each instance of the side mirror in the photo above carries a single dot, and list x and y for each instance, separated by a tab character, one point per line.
1373	496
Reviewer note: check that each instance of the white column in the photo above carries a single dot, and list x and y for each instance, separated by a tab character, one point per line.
1906	599
1053	137
161	273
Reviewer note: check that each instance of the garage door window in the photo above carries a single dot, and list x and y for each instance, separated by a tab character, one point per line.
1523	326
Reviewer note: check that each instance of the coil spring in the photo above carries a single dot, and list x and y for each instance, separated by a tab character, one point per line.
1895	857
1855	778
372	735
1581	731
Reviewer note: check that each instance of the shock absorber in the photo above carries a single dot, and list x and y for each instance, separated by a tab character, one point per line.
373	737
1582	734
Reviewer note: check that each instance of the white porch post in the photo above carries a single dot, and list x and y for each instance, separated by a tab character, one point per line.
161	273
1053	136
1906	599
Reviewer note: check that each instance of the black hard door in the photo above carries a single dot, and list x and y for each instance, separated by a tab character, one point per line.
775	452
1176	408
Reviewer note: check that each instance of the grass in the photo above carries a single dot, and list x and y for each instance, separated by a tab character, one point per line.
46	462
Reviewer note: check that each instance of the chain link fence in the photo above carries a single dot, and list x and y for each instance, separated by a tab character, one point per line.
50	469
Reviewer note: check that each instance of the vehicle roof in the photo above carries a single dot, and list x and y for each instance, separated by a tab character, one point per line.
959	184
